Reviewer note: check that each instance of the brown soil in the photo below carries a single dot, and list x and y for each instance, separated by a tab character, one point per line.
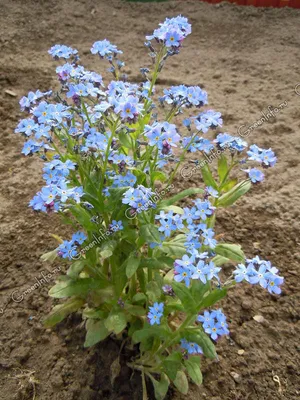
247	59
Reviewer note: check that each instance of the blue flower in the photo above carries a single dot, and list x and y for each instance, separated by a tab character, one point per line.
266	157
171	32
78	237
185	96
208	235
190	347
261	272
182	274
104	48
243	273
167	226
31	99
172	38
26	126
185	262
199	271
212	271
116	225
224	140
208	119
255	175
212	192
31	146
204	209
62	51
189	214
155	313
67	250
214	323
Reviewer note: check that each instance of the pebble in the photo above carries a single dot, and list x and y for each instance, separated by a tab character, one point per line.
241	352
259	318
246	305
237	378
10	93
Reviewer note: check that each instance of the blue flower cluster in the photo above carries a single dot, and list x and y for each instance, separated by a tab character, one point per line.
155	313
190	347
68	249
261	272
163	135
234	143
184	96
195	268
172	32
31	99
56	192
208	120
197	234
104	48
214	323
139	198
265	157
62	51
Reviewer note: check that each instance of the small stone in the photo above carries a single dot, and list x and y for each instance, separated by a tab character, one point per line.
10	93
259	318
241	352
237	378
23	354
246	305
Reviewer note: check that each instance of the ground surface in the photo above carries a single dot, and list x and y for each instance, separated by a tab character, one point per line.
247	59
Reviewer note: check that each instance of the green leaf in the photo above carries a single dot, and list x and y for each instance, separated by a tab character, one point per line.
203	340
139	298
135	326
132	265
83	217
96	332
160	387
227	199
174	306
222	167
158	176
230	251
199	289
75	269
175	209
107	248
153	291
175	247
149	234
208	178
185	296
181	382
194	371
220	260
50	256
150	332
93	313
213	297
116	322
137	311
142	279
178	196
61	311
157	263
79	287
229	185
172	364
125	140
